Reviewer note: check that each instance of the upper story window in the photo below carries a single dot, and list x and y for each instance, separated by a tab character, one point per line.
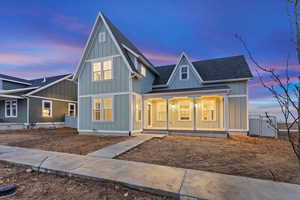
102	70
102	37
184	72
11	108
47	108
143	70
209	110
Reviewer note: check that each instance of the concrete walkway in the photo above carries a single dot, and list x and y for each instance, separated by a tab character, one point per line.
184	183
122	147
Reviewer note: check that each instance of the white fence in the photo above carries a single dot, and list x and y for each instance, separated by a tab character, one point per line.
259	126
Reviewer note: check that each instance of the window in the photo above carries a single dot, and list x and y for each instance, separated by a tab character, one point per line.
11	108
184	72
143	70
208	110
72	109
161	111
103	109
102	37
47	108
102	70
185	113
138	108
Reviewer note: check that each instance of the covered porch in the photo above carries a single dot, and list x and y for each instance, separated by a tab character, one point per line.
186	112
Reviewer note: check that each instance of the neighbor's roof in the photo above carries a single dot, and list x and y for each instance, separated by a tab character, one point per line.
34	83
122	40
234	67
14	79
204	88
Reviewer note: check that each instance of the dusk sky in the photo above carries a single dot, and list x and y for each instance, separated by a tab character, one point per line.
46	37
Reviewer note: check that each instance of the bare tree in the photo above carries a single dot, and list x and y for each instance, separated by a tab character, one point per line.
284	90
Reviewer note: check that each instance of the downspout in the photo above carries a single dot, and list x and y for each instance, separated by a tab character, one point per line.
28	102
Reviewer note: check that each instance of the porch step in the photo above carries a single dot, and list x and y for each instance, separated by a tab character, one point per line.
212	134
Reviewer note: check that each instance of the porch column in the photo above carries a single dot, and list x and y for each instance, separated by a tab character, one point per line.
194	113
167	101
226	113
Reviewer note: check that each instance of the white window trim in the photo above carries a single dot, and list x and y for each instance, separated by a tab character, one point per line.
215	110
69	106
43	107
187	72
102	37
190	113
157	113
10	105
101	109
101	70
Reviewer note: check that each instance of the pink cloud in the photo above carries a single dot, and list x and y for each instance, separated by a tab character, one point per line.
19	59
161	57
271	82
70	22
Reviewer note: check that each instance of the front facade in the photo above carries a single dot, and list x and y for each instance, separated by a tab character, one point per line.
36	103
121	93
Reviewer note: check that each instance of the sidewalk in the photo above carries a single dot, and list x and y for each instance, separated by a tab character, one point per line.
188	184
122	147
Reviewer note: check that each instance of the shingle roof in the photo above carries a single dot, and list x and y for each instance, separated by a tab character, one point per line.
122	40
34	82
234	67
4	76
205	88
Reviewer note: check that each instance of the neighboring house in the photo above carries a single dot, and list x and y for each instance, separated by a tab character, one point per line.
40	102
120	92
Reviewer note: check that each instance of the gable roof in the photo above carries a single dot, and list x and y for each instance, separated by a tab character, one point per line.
218	69
120	40
36	84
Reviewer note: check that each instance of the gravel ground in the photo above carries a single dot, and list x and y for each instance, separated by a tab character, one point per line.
60	140
239	155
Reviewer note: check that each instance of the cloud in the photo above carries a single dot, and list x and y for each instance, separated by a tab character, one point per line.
161	57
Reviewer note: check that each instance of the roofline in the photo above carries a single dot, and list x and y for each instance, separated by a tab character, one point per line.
11	96
100	15
48	85
141	58
187	92
228	80
16	90
11	80
183	54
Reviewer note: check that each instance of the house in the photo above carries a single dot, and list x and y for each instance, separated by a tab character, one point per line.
42	102
120	92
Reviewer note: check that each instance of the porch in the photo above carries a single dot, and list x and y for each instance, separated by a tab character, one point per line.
194	113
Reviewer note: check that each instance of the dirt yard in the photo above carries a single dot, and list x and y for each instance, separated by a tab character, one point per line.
61	140
48	187
240	155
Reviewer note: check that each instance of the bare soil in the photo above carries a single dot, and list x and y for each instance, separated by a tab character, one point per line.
60	140
35	186
239	155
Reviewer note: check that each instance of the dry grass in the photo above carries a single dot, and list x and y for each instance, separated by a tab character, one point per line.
240	155
60	140
49	187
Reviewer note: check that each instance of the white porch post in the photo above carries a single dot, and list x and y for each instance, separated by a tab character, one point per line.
194	113
226	113
167	113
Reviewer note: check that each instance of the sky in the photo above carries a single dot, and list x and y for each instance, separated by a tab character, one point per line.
46	37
